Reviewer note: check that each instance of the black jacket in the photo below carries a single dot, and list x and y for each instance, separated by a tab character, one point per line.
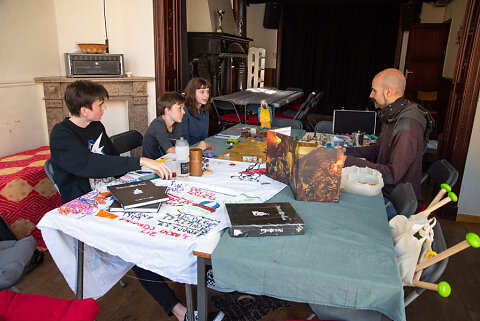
398	152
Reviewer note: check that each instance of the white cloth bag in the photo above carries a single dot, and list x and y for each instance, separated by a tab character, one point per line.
409	248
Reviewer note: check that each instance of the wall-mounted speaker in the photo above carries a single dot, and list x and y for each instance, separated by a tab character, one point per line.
272	15
411	11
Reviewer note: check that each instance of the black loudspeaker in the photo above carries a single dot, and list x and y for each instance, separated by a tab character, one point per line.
272	15
411	11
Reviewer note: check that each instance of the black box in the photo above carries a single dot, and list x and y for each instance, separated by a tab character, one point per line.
263	219
94	65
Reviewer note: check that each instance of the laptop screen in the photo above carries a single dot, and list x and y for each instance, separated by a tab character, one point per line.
350	121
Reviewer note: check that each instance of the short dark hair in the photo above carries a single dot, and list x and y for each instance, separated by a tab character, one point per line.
83	93
167	100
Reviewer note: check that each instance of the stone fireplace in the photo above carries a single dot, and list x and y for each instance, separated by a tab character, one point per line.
133	90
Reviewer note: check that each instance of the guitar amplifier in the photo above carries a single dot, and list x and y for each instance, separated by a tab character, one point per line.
94	65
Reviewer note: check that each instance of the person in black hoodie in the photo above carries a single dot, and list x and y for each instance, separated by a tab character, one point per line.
81	151
82	155
405	129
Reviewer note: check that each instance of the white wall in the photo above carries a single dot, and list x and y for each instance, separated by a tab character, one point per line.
455	11
28	48
130	31
202	17
262	37
197	10
432	14
35	36
469	198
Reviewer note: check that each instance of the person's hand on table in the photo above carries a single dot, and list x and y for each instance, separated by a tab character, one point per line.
203	145
160	168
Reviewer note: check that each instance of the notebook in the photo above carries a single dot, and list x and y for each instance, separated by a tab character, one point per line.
264	219
138	193
151	208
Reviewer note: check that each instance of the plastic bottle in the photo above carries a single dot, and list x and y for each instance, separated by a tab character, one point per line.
182	158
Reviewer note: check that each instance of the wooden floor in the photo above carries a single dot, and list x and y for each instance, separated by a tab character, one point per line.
134	303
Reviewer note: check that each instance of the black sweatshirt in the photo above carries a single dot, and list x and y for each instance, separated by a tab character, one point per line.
74	163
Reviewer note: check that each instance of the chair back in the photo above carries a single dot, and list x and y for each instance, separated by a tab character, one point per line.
442	171
294	89
252	118
434	272
403	199
324	126
126	141
284	122
227	112
49	171
308	106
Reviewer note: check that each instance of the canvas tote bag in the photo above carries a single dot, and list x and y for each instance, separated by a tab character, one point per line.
409	237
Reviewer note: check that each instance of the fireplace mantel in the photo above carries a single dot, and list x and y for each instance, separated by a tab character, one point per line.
130	89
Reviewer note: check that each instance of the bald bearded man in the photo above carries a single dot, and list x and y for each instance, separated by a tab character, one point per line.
405	127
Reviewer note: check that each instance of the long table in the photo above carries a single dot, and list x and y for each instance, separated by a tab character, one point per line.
344	265
357	225
160	242
275	97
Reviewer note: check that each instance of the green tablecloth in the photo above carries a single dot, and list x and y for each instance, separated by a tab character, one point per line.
345	258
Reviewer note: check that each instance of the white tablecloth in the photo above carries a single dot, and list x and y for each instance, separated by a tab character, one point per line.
160	242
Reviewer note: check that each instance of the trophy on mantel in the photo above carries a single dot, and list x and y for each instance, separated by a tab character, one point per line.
220	14
239	27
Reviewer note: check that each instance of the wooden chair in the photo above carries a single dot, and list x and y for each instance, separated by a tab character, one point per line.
427	98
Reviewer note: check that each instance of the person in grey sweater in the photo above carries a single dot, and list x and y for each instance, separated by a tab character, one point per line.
398	152
160	137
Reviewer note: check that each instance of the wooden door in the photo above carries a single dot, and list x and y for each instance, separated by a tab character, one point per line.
425	55
463	101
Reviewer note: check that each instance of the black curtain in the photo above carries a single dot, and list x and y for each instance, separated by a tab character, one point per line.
337	49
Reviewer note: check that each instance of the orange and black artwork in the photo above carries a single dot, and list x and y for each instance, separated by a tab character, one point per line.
280	156
318	175
313	173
